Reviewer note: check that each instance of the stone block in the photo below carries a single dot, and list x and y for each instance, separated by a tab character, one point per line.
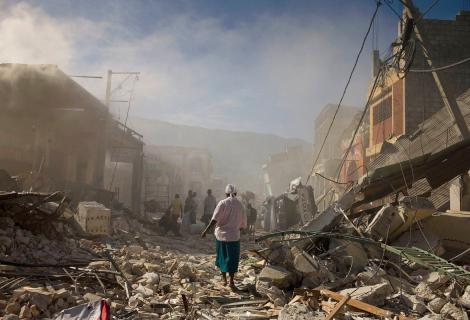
374	295
436	304
279	277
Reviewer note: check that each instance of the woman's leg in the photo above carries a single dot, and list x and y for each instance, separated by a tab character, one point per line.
232	276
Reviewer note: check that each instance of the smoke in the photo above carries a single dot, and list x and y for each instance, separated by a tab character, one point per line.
270	73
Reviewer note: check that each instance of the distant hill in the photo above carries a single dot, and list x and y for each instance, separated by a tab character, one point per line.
237	156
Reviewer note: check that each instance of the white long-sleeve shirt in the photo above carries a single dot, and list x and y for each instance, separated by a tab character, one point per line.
230	218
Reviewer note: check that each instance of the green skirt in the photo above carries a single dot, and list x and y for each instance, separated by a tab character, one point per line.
228	255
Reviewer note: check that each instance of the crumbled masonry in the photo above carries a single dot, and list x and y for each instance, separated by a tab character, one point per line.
54	269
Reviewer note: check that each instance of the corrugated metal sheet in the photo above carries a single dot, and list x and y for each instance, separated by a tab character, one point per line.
433	135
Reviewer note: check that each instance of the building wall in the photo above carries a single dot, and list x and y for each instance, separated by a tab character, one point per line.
416	98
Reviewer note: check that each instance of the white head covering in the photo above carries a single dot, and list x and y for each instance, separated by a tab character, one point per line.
230	189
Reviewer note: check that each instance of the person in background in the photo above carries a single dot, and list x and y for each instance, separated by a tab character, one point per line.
193	209
228	218
186	218
252	215
169	221
209	205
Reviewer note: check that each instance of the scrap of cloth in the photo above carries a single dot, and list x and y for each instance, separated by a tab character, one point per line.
228	255
230	218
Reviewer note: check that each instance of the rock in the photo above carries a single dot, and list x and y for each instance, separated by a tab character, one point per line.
414	303
281	256
34	311
436	280
25	313
303	262
137	267
185	272
90	297
436	304
99	265
374	295
465	298
453	291
431	317
450	311
62	294
144	291
299	312
40	297
134	250
151	267
13	308
276	296
151	278
11	317
351	256
278	276
371	276
116	306
424	291
400	285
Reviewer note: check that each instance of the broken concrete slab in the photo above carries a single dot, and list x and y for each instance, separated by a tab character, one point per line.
451	311
424	291
465	298
303	262
414	303
436	304
351	256
299	312
374	294
278	276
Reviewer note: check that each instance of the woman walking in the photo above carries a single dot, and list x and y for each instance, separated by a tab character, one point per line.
228	219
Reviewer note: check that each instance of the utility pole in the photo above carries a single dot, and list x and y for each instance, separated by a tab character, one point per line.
449	99
107	100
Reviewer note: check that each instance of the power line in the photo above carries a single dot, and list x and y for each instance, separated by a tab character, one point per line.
123	133
428	9
388	4
441	68
345	89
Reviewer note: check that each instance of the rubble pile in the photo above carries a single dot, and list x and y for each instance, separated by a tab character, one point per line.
50	270
306	286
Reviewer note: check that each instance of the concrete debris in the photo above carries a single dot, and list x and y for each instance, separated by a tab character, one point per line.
299	312
451	311
374	295
414	303
50	274
278	276
436	304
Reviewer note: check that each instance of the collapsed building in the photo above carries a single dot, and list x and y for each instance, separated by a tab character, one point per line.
57	136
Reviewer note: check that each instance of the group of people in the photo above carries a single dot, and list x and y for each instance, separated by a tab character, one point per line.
227	218
187	213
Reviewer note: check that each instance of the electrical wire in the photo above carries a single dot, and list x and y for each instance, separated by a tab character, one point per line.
123	134
441	68
388	3
428	10
331	180
364	112
345	89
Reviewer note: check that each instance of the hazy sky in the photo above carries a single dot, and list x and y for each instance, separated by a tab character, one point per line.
252	65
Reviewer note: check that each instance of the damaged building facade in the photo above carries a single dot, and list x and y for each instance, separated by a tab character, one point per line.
62	137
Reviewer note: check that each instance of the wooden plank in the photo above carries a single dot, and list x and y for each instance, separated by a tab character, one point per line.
358	304
337	307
